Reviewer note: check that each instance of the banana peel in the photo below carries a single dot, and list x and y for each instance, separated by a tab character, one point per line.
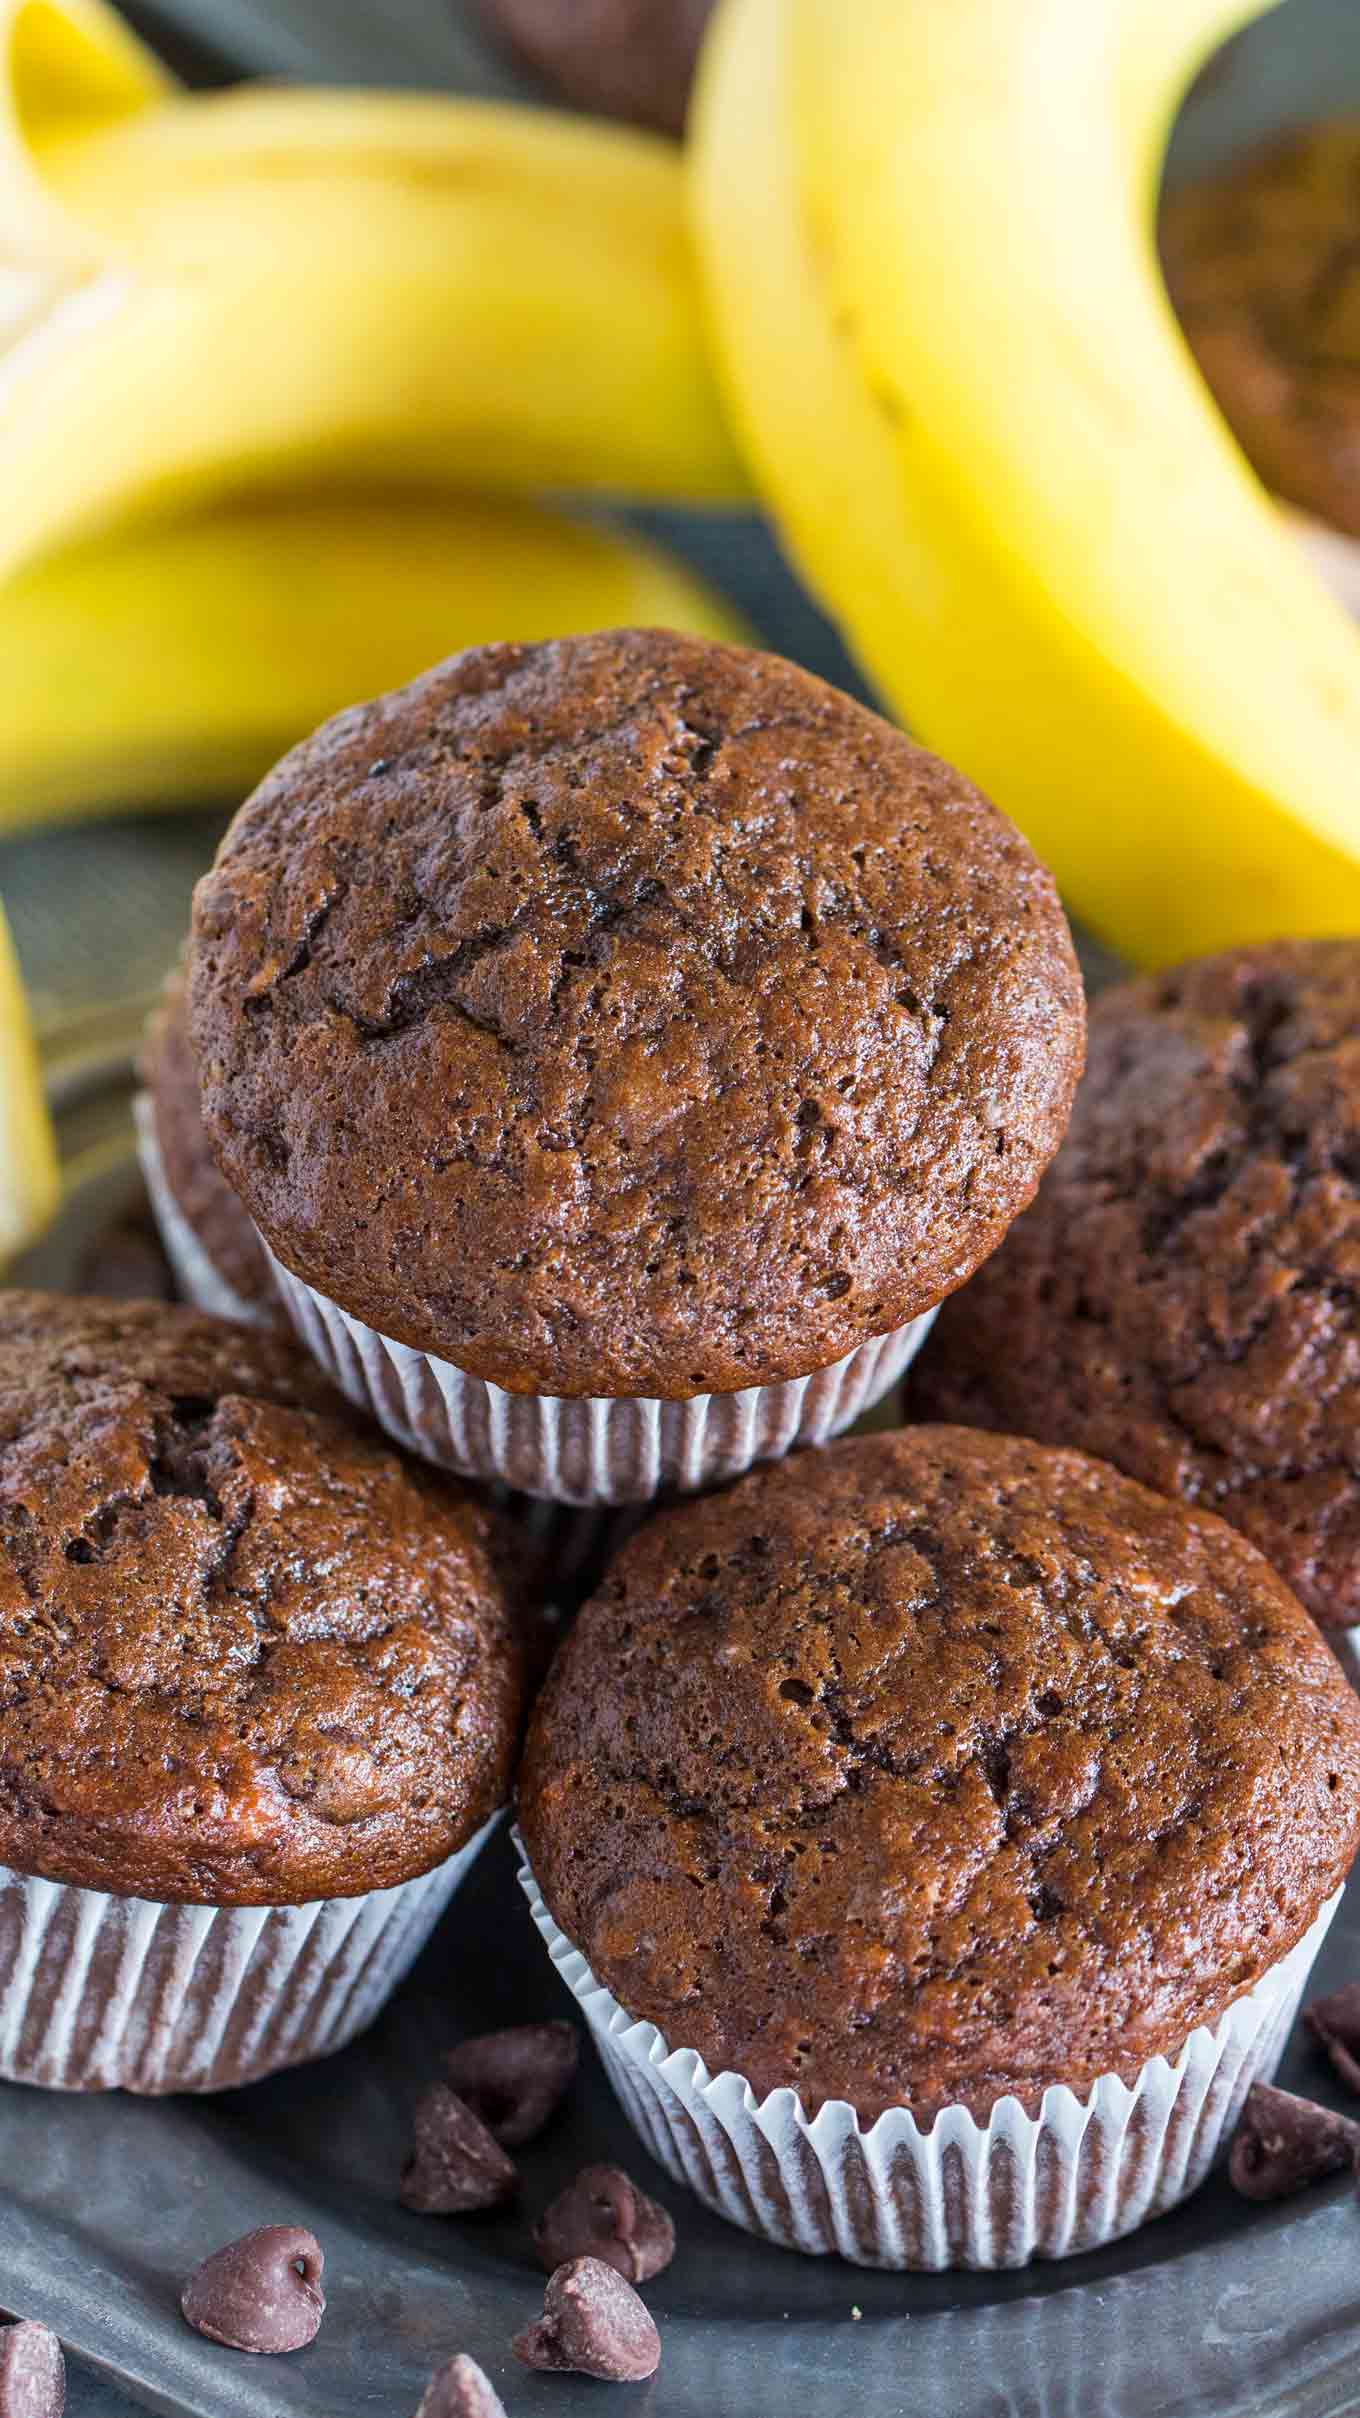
29	1181
205	292
927	239
176	660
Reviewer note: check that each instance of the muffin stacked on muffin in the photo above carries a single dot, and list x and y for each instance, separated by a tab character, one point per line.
260	1694
1184	1296
937	1832
218	1260
622	1046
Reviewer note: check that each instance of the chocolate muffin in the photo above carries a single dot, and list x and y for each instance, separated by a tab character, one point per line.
938	1766
627	1017
219	1261
1262	266
1184	1296
631	59
930	1773
250	1660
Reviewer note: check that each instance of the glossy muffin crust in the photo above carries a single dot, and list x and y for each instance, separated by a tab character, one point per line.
629	1015
248	1656
935	1766
1184	1296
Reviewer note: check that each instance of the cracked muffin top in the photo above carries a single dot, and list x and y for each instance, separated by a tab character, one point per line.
629	1015
937	1765
248	1656
1184	1296
1262	266
204	1196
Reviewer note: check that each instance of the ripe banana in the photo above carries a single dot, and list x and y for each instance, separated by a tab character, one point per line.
928	247
29	1183
206	291
176	660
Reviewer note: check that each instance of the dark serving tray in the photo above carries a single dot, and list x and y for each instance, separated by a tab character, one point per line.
1219	2310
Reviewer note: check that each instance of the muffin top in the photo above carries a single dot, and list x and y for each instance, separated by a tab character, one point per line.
1184	1296
248	1656
937	1765
209	1205
629	1015
1262	266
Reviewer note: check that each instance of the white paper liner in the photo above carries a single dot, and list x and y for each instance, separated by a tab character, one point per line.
118	1993
961	2194
197	1277
587	1450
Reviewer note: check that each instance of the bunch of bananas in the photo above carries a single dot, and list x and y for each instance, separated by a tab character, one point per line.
928	238
259	350
280	374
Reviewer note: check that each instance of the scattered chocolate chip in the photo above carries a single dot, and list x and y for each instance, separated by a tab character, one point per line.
461	2390
1284	2143
592	2324
32	2371
514	2080
1335	2021
604	2215
262	2293
455	2165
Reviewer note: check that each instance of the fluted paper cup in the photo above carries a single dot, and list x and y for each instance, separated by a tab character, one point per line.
197	1278
959	2193
595	1450
105	1993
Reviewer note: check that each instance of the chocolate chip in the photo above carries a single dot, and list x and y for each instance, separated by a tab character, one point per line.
1284	2143
262	2293
514	2080
593	2324
461	2390
32	2371
603	2215
1335	2021
455	2165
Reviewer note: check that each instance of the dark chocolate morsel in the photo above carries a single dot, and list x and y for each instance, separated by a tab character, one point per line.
455	2164
1283	2143
1335	2021
603	2215
460	2389
262	2293
515	2079
593	2324
32	2371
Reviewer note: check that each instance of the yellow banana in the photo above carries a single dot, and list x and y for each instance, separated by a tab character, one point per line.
177	660
29	1182
205	291
928	248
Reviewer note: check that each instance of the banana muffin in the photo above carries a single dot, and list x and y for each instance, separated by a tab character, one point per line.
220	1264
1262	267
250	1660
1184	1296
925	1775
626	1020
